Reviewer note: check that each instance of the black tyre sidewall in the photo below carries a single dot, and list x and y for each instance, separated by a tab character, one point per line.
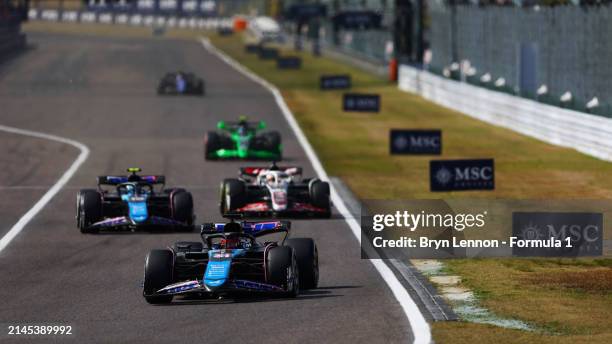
319	195
159	271
182	205
211	144
234	190
306	254
89	209
279	260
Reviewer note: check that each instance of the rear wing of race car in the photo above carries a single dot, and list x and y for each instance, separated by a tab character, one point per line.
254	171
247	227
116	180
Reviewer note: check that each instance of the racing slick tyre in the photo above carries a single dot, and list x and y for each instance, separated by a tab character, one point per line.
272	143
233	195
273	140
89	210
164	88
200	88
307	257
212	143
171	190
182	207
159	266
282	270
319	196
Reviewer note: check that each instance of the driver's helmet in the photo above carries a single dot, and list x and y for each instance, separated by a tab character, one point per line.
232	239
129	189
231	242
243	125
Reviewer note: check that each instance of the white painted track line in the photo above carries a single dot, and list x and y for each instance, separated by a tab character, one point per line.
42	202
420	327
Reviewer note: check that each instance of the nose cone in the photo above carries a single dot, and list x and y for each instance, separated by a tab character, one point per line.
279	200
138	211
217	271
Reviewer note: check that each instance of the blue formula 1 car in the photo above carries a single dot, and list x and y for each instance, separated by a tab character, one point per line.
231	260
133	202
180	83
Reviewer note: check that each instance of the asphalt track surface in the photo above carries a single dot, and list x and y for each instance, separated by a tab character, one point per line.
101	92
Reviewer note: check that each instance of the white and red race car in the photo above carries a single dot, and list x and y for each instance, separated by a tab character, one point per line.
274	191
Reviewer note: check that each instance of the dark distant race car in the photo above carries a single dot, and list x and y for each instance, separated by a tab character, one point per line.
177	83
132	202
275	191
231	260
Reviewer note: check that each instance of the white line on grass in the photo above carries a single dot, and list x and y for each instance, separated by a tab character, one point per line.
42	202
418	324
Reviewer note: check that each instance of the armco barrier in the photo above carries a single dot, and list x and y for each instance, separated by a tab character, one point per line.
586	133
134	19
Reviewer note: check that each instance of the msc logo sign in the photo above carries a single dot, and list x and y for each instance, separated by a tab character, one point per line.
335	82
584	230
288	62
461	175
415	141
361	102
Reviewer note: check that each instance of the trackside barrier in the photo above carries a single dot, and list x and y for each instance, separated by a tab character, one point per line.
586	133
134	19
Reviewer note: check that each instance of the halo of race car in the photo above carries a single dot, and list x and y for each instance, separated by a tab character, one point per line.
230	259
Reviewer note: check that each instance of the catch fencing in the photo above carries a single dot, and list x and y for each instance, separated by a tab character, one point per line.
553	50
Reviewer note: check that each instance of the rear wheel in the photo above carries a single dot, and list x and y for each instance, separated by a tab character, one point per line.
89	210
200	88
282	270
159	269
182	207
233	195
307	257
270	142
319	196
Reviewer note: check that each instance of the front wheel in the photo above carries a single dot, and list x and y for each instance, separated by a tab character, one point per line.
307	257
89	210
282	270
159	268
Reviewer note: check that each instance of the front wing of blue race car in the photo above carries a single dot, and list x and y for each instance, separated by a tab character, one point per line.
127	222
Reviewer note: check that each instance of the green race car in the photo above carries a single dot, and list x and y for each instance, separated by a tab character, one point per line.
242	140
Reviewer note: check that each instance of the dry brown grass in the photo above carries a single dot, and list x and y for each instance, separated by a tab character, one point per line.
592	280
